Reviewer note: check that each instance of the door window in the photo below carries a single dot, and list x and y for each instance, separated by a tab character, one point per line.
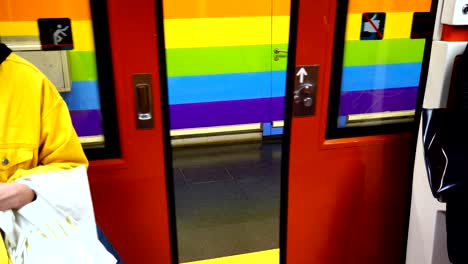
58	37
379	65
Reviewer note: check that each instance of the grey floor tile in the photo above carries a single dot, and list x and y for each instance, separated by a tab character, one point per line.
205	174
267	188
227	199
210	192
259	170
178	178
228	240
210	204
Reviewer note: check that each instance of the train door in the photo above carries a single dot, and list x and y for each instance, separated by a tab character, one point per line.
129	191
354	86
103	58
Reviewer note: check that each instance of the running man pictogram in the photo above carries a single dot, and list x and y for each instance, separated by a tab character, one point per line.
60	33
55	33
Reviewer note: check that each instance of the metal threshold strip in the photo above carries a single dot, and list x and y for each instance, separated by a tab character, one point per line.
216	135
92	142
373	119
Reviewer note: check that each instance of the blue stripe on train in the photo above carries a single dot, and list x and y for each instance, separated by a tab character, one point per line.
84	95
245	86
384	76
226	87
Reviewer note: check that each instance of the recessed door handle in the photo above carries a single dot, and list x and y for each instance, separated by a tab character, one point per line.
143	102
144	111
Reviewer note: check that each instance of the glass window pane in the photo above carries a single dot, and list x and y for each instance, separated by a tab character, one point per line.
73	70
378	70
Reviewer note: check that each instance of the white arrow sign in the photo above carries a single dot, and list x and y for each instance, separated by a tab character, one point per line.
301	73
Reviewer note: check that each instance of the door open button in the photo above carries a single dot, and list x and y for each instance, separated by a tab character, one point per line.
305	88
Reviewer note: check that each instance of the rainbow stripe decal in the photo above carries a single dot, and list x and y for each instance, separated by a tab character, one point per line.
220	62
221	69
220	59
381	75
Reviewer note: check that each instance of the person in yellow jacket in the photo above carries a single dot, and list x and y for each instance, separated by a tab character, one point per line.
36	132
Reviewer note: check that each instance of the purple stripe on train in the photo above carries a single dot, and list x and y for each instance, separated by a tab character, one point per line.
87	122
226	113
267	110
374	101
277	108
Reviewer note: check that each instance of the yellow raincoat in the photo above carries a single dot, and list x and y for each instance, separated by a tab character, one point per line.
36	133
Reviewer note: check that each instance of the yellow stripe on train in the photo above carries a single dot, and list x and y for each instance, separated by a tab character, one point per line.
222	32
397	26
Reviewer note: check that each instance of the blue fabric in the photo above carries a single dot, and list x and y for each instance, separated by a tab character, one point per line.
107	244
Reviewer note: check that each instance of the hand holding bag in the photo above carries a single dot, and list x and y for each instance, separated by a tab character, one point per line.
59	226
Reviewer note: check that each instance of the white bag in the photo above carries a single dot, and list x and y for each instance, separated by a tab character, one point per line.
59	226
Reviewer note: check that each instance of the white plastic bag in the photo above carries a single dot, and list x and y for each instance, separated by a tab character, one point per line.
59	226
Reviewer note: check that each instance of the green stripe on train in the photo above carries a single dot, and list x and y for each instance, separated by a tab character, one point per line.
220	60
389	51
83	65
243	59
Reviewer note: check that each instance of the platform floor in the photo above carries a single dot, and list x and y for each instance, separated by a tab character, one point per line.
227	201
